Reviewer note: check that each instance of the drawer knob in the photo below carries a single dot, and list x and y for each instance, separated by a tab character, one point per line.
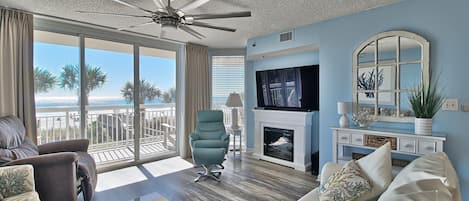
344	138
358	140
429	148
409	146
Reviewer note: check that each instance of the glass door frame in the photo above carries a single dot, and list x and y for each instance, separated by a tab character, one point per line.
82	31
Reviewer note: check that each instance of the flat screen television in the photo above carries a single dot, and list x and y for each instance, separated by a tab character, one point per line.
295	89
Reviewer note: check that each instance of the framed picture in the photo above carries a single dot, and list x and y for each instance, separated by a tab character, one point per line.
386	81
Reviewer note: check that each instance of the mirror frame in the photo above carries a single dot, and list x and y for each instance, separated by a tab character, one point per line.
424	64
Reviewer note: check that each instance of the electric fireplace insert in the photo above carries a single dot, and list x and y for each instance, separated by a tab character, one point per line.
278	143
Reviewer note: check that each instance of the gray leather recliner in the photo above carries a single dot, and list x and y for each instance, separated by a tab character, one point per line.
62	170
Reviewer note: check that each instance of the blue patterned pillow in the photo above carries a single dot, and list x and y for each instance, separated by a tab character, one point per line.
346	184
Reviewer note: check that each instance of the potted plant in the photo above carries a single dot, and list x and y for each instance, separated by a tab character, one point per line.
425	102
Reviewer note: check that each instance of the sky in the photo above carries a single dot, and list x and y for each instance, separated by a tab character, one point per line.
117	66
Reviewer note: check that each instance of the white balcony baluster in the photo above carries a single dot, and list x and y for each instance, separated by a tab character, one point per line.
110	128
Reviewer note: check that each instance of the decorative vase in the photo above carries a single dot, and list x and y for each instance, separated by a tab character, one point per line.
363	119
343	122
423	126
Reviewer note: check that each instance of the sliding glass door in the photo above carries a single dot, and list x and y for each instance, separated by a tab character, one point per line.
157	101
108	105
85	89
57	103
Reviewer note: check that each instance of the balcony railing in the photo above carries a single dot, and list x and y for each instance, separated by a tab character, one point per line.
110	129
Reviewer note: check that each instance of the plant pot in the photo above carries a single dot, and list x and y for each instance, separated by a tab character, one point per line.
423	126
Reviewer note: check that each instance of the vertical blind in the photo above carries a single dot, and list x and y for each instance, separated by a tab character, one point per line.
227	77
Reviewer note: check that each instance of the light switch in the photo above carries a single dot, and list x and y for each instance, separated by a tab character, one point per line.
451	104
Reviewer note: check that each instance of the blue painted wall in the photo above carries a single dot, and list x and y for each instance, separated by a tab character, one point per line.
443	23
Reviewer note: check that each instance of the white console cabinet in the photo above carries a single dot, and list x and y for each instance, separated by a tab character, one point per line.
406	142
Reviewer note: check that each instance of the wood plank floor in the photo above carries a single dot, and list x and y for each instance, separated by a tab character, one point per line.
249	179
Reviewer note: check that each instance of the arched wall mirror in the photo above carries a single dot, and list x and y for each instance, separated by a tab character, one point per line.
386	67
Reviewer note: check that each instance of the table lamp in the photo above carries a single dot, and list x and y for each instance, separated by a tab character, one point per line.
343	109
234	101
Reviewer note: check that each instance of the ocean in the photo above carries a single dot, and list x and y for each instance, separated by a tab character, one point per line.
59	103
44	103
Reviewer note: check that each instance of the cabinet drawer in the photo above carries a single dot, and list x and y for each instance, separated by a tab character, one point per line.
343	138
357	139
427	147
407	145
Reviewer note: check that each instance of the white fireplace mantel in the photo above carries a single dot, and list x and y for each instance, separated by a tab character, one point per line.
299	122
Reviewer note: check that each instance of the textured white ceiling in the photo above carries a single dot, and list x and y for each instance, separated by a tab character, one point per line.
268	16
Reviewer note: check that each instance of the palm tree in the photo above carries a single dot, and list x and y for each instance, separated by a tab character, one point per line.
170	95
43	80
70	79
148	91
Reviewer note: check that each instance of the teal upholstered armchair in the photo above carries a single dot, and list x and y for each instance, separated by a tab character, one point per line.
210	131
209	143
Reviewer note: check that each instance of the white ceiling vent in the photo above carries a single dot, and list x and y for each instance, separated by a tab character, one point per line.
286	36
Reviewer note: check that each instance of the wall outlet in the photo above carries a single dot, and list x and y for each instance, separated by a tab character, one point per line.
465	108
451	104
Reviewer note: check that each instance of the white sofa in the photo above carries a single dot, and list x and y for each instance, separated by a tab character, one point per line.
430	178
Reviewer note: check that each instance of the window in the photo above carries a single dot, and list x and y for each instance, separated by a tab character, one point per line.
103	110
227	77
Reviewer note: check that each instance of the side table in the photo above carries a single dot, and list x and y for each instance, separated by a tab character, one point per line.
236	133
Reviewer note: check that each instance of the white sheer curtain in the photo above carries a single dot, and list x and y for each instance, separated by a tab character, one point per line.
197	90
16	68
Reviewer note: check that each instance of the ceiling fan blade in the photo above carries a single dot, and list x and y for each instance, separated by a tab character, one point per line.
192	32
192	5
111	14
137	25
159	4
218	16
133	6
205	25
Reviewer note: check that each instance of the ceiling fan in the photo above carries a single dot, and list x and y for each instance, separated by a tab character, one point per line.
175	18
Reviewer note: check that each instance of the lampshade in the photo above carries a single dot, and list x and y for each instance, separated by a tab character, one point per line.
343	107
234	100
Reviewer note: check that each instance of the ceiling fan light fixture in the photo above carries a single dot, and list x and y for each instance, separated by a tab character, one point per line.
169	26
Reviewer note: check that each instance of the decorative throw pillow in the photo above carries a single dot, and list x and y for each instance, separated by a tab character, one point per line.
377	167
431	189
346	184
15	180
432	172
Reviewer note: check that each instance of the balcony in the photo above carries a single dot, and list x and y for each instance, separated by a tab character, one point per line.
110	129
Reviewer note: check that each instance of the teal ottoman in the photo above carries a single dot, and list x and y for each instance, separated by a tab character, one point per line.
209	159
